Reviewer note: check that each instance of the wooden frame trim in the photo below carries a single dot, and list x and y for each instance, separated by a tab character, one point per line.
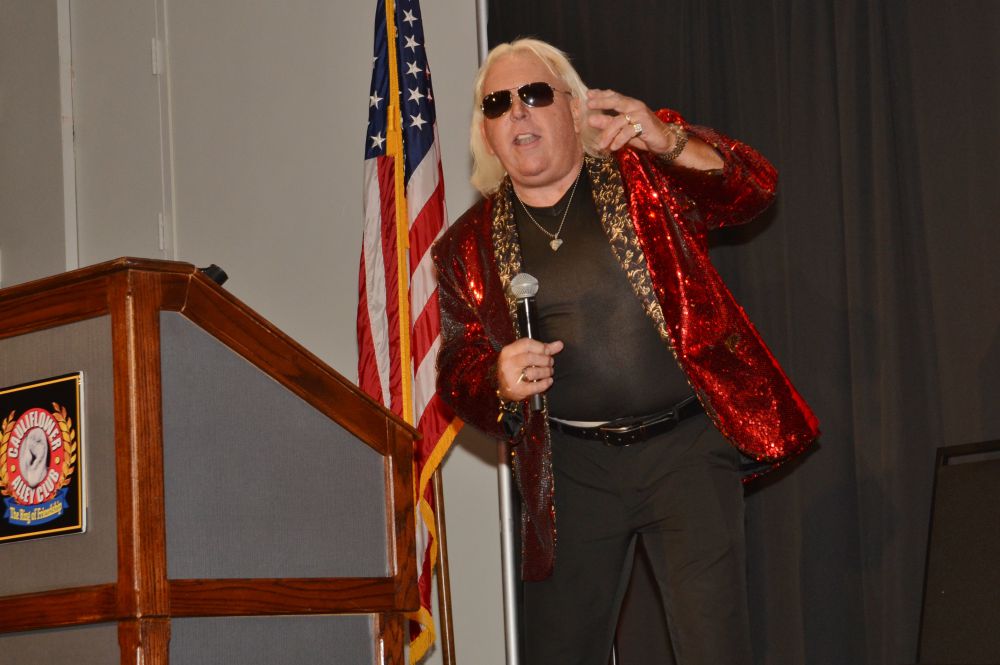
94	272
401	519
65	607
58	307
69	297
144	640
389	637
259	596
135	329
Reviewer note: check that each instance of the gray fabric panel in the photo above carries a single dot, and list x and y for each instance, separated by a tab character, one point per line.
288	640
79	645
86	346
258	483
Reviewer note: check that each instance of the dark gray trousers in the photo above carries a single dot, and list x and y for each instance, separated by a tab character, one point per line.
681	493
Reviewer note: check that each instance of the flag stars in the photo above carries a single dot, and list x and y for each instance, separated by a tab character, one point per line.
377	141
374	100
417	121
411	43
416	95
408	18
412	68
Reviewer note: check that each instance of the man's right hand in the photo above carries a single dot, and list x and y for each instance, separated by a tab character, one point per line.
525	368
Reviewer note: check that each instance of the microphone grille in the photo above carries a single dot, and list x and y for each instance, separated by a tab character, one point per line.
523	286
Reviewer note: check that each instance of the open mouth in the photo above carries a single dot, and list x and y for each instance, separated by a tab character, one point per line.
525	139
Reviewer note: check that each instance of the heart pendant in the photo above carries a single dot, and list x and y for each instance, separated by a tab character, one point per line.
555	243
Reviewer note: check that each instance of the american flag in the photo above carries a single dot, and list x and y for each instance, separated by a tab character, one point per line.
398	324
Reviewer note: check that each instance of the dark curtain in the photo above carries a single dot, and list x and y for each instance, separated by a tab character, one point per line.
874	278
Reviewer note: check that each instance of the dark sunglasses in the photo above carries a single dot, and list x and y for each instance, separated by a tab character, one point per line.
535	95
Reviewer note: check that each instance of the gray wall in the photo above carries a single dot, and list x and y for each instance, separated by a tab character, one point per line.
241	146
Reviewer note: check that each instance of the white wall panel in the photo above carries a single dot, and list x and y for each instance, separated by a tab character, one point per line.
31	183
116	107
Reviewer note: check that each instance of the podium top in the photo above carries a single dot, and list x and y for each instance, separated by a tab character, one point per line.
124	263
177	286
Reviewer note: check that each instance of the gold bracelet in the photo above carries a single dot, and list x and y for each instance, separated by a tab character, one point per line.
680	141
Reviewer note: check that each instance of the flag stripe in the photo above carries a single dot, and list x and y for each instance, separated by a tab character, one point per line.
392	314
424	282
426	331
427	226
368	358
425	180
376	302
425	380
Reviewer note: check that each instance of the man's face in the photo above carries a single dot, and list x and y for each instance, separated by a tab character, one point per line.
539	147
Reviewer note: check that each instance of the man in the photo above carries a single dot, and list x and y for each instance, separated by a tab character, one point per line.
641	350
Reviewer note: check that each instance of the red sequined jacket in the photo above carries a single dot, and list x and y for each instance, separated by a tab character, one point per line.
656	217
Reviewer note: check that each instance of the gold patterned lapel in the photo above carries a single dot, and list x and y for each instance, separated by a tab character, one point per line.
506	244
612	210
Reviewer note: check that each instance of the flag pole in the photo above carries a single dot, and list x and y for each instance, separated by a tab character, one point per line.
443	575
508	522
394	147
508	556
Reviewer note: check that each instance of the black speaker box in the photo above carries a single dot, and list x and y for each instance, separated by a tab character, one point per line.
960	618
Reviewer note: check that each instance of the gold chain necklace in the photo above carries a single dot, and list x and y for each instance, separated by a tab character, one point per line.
555	242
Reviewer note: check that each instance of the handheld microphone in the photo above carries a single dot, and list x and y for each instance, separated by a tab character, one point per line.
524	287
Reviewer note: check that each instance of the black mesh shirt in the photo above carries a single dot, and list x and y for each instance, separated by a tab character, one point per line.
614	363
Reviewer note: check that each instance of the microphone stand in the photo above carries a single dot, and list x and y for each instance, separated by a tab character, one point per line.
508	555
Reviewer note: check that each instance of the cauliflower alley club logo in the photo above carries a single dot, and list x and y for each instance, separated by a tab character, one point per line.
39	469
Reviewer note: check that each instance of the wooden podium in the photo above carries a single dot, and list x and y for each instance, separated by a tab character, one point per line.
245	503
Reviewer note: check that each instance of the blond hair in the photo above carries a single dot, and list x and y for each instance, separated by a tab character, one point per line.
487	171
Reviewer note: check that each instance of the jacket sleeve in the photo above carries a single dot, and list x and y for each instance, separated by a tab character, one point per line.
466	362
743	188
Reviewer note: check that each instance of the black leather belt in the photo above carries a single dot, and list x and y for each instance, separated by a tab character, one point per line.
626	431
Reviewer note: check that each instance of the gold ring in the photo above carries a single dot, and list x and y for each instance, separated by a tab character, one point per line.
628	118
523	377
637	127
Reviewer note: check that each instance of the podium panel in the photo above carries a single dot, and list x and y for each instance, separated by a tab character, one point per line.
77	645
251	482
293	640
91	557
